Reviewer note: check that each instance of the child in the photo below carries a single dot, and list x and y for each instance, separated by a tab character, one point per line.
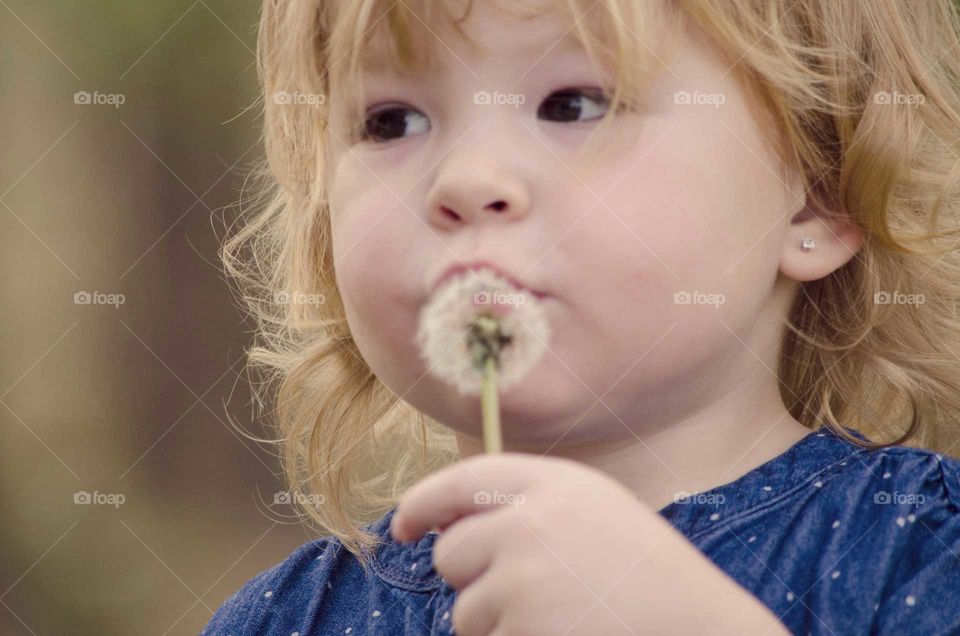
741	219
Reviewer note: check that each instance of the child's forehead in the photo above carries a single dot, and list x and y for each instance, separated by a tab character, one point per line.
380	58
487	30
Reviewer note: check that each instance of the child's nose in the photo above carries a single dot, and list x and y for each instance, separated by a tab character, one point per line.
472	196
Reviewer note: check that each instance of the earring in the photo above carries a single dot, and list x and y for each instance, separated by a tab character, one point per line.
807	244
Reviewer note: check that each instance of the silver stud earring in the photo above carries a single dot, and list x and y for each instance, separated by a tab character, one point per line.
807	244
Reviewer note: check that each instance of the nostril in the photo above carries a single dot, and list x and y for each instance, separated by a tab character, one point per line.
499	206
450	213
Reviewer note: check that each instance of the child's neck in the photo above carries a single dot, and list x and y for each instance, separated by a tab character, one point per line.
688	456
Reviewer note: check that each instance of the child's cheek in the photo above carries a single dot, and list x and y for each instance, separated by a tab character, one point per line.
701	207
674	253
372	244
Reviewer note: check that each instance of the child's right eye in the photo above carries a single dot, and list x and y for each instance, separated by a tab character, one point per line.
389	123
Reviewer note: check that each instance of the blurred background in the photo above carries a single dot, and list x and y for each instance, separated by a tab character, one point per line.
128	503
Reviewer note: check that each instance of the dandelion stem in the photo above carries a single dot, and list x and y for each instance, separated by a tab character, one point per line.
492	441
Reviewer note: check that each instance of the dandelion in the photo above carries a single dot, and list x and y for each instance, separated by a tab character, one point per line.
480	333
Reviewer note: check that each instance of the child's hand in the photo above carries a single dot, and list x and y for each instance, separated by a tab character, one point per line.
541	545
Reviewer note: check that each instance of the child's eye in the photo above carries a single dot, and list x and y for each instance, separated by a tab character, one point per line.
565	105
391	122
574	104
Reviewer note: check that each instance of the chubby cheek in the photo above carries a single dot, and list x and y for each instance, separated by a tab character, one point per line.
674	264
376	280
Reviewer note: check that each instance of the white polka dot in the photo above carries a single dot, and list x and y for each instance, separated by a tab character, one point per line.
268	594
295	634
375	613
751	539
817	484
348	630
767	488
714	516
413	567
836	524
790	596
446	615
900	521
843	463
886	475
911	517
835	575
876	607
911	601
820	434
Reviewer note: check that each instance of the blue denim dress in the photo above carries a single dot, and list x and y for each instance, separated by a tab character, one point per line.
833	538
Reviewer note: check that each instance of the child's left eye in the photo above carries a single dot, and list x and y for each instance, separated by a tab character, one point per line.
568	104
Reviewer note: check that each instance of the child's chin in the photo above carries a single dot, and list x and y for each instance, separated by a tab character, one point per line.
535	406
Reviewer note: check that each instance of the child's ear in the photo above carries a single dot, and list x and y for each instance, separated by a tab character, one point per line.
836	240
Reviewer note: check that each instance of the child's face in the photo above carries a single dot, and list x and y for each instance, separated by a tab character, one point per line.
691	203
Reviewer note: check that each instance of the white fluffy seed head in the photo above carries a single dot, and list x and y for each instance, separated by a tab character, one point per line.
446	333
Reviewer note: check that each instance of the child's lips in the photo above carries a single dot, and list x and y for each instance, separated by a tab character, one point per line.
457	268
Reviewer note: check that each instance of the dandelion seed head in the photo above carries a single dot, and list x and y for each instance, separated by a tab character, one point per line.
478	313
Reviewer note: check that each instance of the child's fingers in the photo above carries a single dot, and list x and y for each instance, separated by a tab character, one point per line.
465	551
467	487
478	608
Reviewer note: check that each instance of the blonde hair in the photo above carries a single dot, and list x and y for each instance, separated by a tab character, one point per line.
817	72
